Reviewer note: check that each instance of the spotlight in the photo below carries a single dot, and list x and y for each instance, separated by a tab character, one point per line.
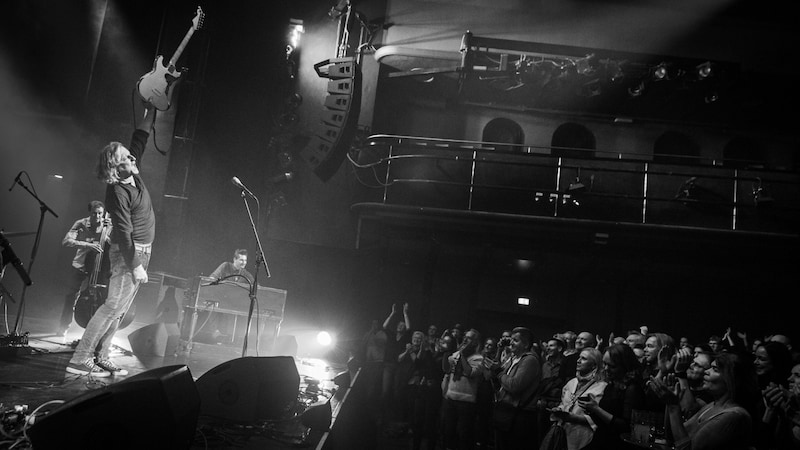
660	72
636	91
523	301
711	98
296	29
324	338
704	70
281	177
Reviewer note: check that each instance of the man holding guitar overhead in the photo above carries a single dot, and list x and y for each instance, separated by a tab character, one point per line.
84	235
128	202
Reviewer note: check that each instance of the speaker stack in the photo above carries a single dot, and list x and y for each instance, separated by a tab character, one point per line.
154	409
327	149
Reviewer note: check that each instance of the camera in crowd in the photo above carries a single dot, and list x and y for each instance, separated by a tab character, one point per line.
504	341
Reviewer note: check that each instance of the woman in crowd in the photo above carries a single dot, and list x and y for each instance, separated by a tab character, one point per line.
726	423
784	405
588	383
623	393
773	364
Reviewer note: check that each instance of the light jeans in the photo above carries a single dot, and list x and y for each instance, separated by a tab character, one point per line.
96	340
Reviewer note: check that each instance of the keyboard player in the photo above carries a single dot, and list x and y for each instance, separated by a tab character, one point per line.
234	269
222	325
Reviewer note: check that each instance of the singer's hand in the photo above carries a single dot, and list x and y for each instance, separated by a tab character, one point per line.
139	274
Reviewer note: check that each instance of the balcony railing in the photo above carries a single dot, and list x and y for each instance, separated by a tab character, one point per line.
596	185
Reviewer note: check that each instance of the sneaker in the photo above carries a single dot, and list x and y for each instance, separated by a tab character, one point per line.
106	364
87	367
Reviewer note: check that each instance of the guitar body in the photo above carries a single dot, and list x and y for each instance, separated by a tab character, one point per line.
93	298
90	299
156	86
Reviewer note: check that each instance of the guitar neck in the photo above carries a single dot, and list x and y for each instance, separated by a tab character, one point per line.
179	50
98	258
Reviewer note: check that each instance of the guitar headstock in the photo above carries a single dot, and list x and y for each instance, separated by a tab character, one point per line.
197	22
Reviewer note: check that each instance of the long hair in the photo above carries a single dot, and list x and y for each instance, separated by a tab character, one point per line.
630	369
106	168
781	358
595	356
739	375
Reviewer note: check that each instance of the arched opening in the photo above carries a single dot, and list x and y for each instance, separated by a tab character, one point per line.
504	131
673	147
573	140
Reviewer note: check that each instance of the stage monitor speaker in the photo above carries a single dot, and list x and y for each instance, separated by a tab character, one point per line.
154	409
250	389
157	339
328	147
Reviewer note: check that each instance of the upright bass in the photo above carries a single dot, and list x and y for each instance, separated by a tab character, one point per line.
94	295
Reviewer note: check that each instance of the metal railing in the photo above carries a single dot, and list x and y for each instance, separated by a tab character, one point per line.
587	184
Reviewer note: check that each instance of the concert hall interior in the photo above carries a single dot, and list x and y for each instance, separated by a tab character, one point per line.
556	165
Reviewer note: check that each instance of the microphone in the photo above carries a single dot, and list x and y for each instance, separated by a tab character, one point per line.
16	180
236	182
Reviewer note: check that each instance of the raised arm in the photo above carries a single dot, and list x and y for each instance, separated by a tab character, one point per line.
388	320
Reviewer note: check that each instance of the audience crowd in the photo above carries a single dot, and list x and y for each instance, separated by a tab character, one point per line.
460	390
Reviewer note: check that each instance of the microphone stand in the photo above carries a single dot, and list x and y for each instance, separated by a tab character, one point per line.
43	208
259	260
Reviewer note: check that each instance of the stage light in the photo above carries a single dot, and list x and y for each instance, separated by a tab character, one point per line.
324	338
296	30
636	91
523	301
660	72
711	98
523	264
704	70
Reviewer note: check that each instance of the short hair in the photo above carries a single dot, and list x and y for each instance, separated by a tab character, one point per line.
559	342
240	251
525	334
94	204
107	160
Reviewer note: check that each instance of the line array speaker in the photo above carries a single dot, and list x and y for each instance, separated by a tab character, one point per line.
327	148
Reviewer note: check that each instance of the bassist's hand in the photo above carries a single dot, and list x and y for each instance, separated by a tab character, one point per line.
139	274
94	246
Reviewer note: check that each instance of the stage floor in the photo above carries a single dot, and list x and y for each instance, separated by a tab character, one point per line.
35	376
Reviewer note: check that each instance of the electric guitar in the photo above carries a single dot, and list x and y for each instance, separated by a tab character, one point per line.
155	87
